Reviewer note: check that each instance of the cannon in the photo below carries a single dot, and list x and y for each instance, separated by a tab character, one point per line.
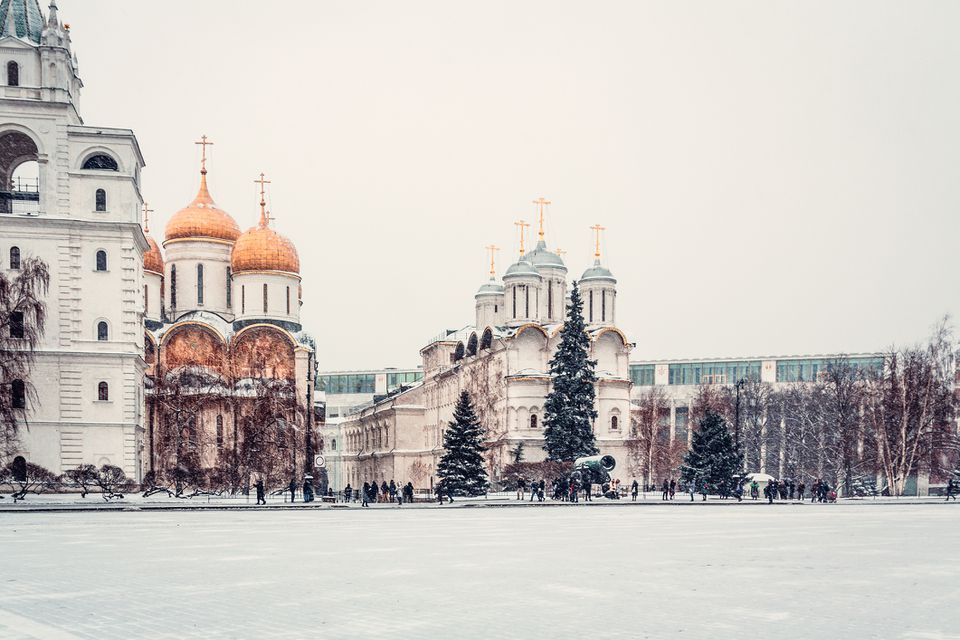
596	470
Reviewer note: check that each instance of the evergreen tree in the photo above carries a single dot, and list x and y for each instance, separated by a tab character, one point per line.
568	412
461	469
713	459
516	454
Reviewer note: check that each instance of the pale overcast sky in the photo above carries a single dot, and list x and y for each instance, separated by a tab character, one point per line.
776	177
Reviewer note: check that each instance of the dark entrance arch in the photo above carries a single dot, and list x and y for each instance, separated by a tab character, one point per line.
19	468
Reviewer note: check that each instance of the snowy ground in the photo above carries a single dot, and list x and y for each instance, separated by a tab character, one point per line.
738	571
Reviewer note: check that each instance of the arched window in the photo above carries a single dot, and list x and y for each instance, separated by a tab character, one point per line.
486	340
219	431
101	260
472	345
146	299
333	444
18	392
173	286
103	391
229	288
101	200
102	331
101	162
13	74
614	423
14	257
19	469
458	352
533	421
264	297
199	284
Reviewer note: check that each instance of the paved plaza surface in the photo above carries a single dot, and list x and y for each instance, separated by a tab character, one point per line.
744	571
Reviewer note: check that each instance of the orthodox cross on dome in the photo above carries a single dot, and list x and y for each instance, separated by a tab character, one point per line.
264	218
597	229
146	217
541	202
522	226
203	142
561	252
492	248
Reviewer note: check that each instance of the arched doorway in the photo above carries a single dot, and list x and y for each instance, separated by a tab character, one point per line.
19	468
19	173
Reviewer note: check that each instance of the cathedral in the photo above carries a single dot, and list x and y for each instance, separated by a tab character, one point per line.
190	357
502	359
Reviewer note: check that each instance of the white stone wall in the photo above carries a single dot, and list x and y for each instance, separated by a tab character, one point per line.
214	255
248	295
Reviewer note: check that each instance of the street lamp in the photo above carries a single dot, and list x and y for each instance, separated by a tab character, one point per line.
736	420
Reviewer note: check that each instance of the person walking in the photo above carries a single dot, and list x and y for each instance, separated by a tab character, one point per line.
365	495
815	490
754	489
574	490
384	491
293	490
373	491
800	488
347	493
673	488
521	487
533	490
770	491
393	490
951	488
587	490
308	489
634	490
665	488
261	493
540	490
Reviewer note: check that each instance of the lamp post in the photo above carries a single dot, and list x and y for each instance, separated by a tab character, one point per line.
736	419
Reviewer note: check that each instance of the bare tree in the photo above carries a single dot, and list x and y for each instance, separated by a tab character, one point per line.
31	478
273	435
83	476
22	318
910	411
647	445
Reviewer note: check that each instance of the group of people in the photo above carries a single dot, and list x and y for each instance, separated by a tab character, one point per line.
308	492
371	492
563	489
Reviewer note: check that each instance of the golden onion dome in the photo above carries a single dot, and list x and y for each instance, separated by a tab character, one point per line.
152	258
202	218
260	248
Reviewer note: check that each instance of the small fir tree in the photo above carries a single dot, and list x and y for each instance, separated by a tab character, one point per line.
516	454
461	469
569	408
713	460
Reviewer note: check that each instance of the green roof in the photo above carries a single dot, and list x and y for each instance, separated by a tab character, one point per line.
27	21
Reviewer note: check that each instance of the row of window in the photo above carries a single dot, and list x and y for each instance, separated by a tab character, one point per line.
16	261
229	290
807	370
714	372
402	379
18	393
349	383
811	370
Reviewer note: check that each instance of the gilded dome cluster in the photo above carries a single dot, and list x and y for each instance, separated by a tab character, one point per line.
202	218
261	248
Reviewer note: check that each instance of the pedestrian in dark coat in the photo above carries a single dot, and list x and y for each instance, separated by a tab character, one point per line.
373	492
951	488
666	490
800	489
770	491
673	488
261	493
365	495
393	490
384	491
542	486
815	490
347	493
574	489
587	490
308	489
634	490
293	490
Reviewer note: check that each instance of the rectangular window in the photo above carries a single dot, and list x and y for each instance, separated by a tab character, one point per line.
173	286
642	374
514	302
264	297
146	300
243	298
549	300
682	420
199	284
526	300
16	324
229	289
591	307
288	300
603	306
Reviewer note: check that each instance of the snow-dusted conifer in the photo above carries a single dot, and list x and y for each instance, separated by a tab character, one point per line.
461	469
569	412
713	459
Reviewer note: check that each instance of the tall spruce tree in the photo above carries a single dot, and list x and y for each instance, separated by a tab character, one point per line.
461	469
713	459
569	412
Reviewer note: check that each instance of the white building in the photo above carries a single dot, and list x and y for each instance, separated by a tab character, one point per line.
71	197
503	361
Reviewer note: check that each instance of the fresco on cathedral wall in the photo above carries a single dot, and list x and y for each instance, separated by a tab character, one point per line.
193	345
263	352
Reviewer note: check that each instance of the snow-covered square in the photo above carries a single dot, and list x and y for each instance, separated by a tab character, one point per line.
608	571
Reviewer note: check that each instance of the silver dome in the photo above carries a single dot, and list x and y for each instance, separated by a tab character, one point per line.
598	272
543	257
521	267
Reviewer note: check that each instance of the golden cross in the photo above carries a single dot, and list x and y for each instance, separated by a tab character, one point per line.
597	229
146	217
522	226
263	200
203	142
561	252
541	202
492	248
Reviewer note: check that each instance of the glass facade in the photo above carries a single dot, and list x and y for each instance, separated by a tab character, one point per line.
642	374
403	378
714	372
349	383
809	370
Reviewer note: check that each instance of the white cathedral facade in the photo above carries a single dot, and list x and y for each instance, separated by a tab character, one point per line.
502	359
71	197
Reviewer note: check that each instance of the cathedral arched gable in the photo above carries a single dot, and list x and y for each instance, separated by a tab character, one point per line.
263	351
531	327
98	150
193	344
614	330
